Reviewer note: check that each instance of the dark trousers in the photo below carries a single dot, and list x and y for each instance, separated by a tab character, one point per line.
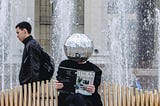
73	100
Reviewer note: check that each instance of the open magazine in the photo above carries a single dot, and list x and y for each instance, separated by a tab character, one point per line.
76	81
83	79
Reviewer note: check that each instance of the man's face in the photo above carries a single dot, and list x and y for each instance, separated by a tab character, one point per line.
21	34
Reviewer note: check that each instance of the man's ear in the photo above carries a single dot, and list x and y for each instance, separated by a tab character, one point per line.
25	30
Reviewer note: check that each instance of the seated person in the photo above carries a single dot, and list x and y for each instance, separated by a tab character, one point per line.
68	72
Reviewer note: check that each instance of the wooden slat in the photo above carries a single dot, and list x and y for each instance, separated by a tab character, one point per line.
155	98
119	95
142	97
11	98
52	93
42	91
109	95
128	96
34	93
47	93
114	95
132	97
15	96
6	98
25	95
151	98
123	96
38	93
29	95
104	93
146	99
2	98
159	97
137	98
20	96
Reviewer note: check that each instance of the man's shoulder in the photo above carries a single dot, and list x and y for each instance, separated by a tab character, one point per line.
33	42
34	45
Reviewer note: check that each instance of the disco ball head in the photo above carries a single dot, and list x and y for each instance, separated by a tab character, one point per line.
78	47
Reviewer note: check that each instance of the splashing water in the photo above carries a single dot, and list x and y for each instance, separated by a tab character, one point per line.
158	42
9	63
121	35
63	17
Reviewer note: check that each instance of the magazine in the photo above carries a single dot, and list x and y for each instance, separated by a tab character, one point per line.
68	78
84	78
76	81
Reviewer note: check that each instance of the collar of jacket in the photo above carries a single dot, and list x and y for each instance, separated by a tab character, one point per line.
25	41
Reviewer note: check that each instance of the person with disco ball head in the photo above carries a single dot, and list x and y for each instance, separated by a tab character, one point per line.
77	78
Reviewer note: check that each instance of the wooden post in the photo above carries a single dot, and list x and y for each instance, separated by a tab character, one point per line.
137	98
146	99
52	93
2	98
29	95
25	95
155	98
114	95
15	97
38	93
104	93
132	97
123	96
128	96
151	98
42	96
34	93
109	95
11	98
119	95
142	97
6	99
20	96
47	94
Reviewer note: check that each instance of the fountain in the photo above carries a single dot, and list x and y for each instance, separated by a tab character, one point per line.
121	35
158	43
133	41
130	37
129	31
9	57
64	19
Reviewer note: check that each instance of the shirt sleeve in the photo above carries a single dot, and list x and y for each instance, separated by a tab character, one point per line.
98	76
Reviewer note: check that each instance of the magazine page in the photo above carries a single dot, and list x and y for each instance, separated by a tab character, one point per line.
83	79
68	78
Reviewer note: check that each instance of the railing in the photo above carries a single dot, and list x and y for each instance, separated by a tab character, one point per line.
37	94
44	94
116	95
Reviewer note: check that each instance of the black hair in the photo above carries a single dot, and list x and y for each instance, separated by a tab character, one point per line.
24	25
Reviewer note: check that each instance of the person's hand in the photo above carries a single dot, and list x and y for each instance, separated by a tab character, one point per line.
59	85
90	88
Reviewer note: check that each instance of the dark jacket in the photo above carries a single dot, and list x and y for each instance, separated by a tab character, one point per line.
93	100
30	65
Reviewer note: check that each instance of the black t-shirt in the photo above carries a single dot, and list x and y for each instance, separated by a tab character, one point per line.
88	66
